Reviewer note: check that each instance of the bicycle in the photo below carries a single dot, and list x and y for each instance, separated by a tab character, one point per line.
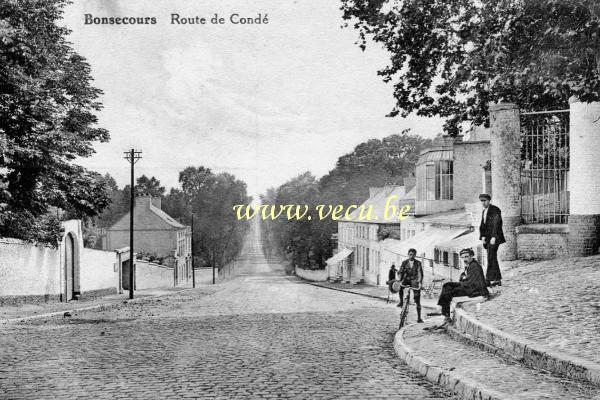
404	310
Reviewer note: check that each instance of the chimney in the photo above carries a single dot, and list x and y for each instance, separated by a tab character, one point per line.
448	141
156	202
409	183
143	201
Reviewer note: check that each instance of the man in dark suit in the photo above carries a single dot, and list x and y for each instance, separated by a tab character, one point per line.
411	274
491	236
472	283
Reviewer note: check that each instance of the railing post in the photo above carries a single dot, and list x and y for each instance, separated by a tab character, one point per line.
584	196
505	143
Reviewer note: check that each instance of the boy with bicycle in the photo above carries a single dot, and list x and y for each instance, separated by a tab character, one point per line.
411	274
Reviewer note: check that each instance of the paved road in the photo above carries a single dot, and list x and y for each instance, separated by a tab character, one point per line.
261	335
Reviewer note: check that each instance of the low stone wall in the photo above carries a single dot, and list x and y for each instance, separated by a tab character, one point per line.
150	275
542	241
317	275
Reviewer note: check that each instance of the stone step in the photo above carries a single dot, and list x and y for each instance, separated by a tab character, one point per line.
470	372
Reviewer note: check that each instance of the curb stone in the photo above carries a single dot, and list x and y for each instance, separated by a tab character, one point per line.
104	306
458	385
531	354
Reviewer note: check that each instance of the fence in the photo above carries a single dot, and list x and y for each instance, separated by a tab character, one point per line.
545	167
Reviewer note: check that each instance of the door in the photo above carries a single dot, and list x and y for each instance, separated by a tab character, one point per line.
69	267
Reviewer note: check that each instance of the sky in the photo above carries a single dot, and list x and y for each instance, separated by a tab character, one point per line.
264	102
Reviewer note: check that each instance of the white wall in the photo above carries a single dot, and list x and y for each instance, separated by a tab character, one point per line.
319	275
98	270
28	270
149	275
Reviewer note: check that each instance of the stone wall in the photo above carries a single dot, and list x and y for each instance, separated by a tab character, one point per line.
99	272
36	273
542	241
29	271
317	275
150	275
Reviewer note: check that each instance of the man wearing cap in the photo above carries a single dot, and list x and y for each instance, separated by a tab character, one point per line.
471	283
392	277
491	236
411	274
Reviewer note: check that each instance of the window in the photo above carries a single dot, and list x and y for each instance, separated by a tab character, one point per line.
445	259
455	259
438	180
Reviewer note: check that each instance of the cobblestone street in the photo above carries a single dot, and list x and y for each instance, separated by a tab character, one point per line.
261	335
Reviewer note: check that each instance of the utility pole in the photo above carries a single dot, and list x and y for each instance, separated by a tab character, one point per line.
214	264
132	156
193	270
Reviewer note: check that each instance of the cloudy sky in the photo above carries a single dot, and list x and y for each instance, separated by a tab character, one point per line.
263	102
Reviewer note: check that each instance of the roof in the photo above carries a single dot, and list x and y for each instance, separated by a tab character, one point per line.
424	241
458	217
339	256
166	217
468	240
378	202
436	154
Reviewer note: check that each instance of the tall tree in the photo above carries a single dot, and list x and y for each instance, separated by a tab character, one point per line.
217	232
47	120
149	187
451	58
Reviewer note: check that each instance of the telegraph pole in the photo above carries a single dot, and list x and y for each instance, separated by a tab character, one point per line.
193	270
132	156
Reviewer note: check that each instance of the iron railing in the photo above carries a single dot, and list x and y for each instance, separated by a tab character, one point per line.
545	167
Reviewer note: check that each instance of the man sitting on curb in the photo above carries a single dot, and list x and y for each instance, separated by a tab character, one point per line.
411	274
471	283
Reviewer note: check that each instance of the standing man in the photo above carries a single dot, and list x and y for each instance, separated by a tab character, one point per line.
392	277
491	236
411	274
472	283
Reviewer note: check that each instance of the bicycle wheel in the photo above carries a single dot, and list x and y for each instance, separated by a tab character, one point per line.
403	314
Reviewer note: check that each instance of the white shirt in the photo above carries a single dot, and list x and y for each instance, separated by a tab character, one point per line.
485	210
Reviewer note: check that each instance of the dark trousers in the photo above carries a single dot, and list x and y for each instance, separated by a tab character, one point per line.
416	297
493	268
450	290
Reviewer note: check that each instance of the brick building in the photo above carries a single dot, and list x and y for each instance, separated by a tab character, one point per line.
155	233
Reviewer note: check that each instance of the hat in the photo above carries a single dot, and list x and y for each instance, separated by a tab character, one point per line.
485	196
412	251
467	251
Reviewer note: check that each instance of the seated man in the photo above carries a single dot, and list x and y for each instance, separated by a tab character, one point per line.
411	274
472	283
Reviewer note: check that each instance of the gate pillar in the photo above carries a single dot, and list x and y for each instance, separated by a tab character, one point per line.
505	143
584	196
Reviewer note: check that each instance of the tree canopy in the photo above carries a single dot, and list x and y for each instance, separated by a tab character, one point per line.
452	58
47	120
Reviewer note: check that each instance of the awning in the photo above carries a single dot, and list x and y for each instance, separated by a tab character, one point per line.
340	256
470	240
424	242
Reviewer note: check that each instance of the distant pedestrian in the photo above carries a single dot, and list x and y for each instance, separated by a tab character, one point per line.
491	236
392	277
411	274
471	283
